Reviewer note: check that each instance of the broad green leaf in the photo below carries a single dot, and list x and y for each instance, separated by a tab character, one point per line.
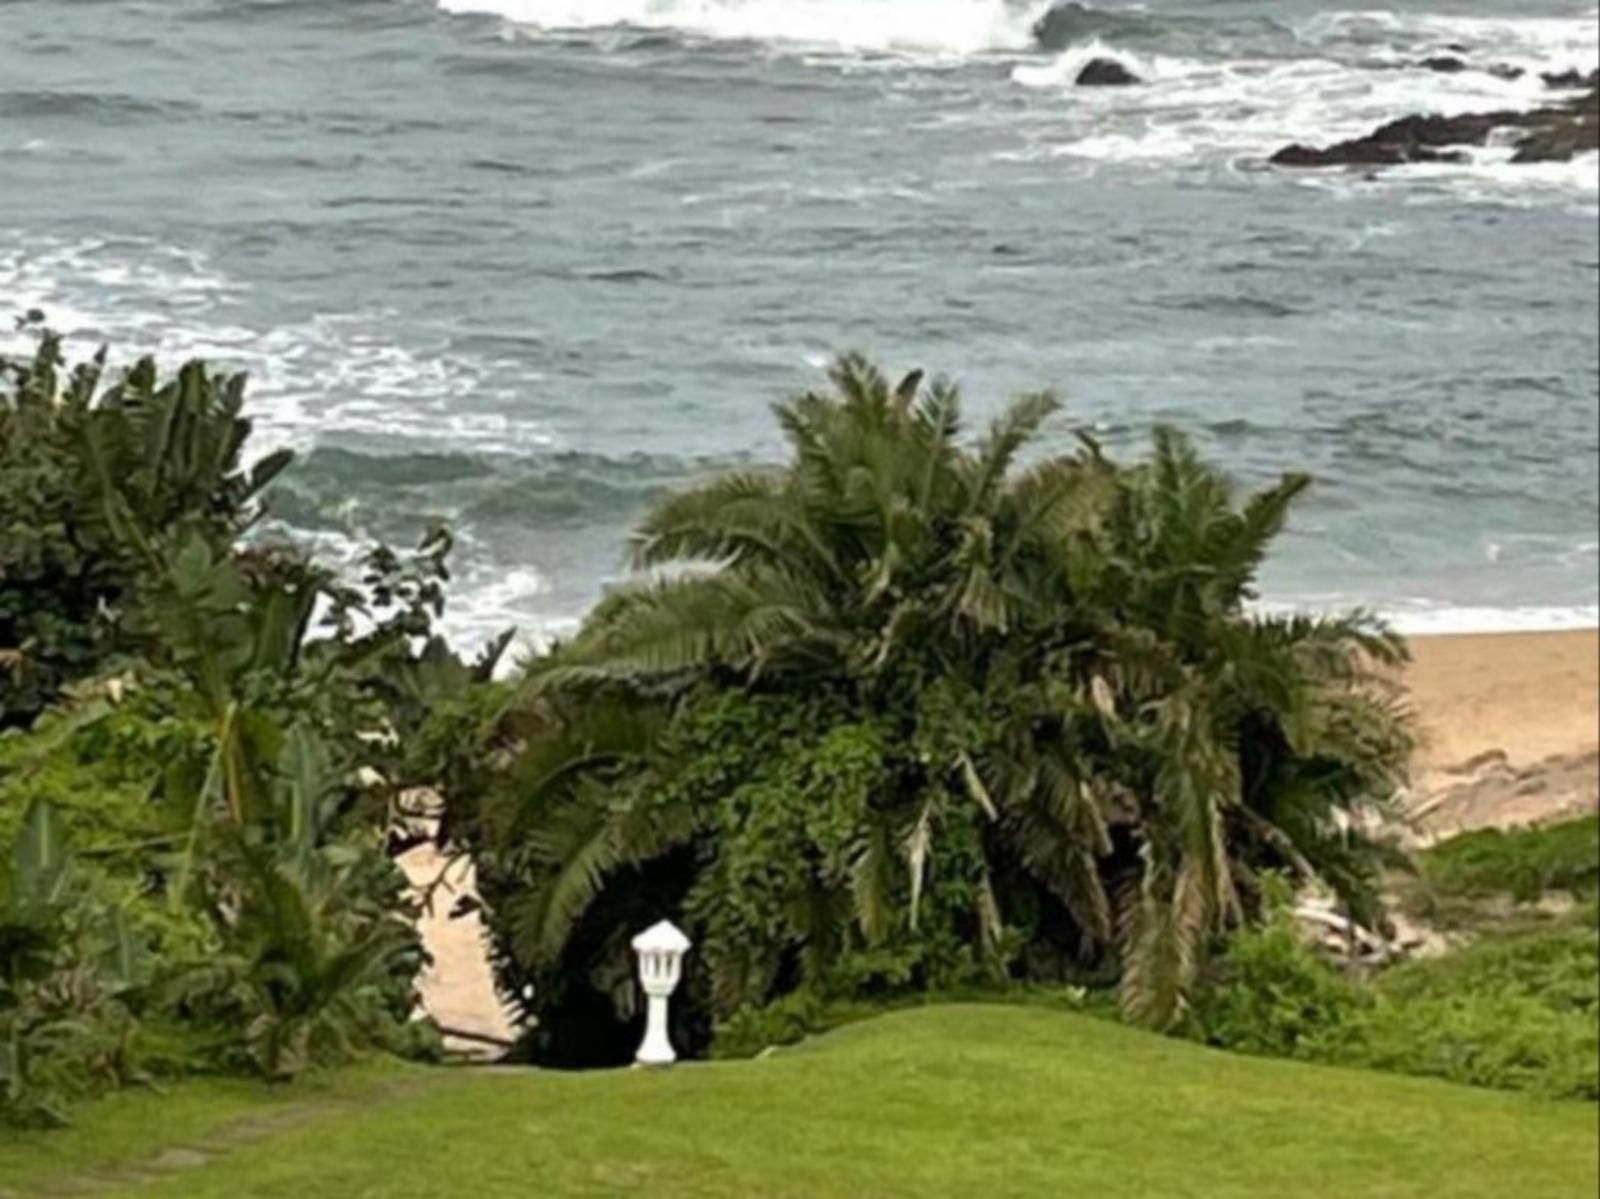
307	777
124	957
41	852
269	468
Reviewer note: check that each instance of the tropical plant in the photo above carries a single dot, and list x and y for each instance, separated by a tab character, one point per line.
309	957
70	967
33	890
1517	1010
94	477
1062	711
228	726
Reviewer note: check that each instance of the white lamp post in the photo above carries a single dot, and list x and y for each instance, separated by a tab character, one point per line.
660	948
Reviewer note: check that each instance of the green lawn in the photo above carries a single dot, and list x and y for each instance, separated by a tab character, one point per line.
962	1100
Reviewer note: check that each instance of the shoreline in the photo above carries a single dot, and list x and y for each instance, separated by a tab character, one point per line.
1491	622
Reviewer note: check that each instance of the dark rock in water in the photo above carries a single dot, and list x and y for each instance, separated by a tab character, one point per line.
1552	134
1450	64
1410	139
1570	79
1466	129
1362	152
1105	72
1559	145
1559	140
1062	25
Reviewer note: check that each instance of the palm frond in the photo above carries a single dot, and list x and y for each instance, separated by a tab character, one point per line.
1012	429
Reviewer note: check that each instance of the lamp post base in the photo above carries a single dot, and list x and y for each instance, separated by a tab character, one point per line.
656	1049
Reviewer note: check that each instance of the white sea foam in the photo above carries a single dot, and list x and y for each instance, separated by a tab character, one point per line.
1489	176
1062	71
1424	619
955	27
323	373
1195	112
1421	617
485	601
1356	70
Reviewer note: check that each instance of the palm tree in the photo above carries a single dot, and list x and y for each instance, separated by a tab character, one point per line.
1065	645
1257	736
882	533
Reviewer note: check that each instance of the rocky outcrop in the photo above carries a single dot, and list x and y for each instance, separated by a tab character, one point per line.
1560	143
1552	134
1451	64
1106	72
1362	152
1409	139
1573	79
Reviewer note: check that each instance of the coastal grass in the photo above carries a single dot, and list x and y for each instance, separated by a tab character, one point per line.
951	1100
1521	863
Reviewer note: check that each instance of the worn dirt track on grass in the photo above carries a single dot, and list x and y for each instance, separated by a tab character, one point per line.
220	1142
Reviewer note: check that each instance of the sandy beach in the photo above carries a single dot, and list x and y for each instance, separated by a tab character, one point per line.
1509	726
1530	695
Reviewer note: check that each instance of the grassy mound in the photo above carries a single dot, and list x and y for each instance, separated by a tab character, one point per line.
958	1100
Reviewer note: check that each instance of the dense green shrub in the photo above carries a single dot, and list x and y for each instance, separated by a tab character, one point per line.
905	713
94	477
1518	1011
1505	1041
229	734
71	969
1270	993
1523	863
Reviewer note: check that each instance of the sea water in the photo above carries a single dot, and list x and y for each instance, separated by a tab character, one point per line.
529	264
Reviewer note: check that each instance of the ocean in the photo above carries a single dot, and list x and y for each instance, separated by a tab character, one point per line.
528	264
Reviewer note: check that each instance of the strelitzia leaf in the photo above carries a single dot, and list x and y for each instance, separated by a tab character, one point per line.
122	963
40	856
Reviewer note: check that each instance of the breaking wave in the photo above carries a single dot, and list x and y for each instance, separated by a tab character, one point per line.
959	27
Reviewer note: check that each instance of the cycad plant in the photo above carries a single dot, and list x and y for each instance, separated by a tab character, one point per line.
910	700
885	537
303	969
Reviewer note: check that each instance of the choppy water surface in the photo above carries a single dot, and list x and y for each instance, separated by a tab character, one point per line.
526	263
